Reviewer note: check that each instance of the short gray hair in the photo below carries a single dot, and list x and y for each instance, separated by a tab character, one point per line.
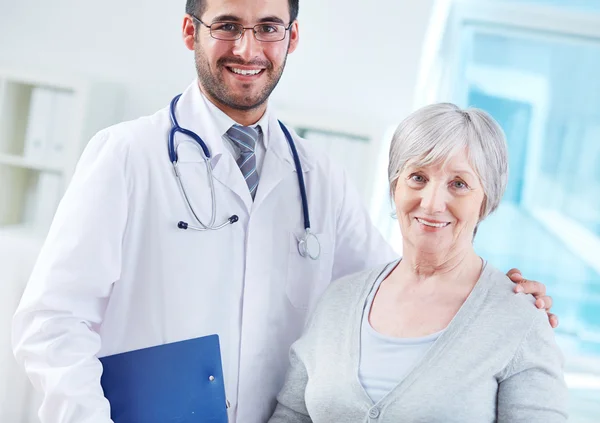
432	134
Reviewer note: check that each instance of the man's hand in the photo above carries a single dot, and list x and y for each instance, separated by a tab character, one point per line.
537	289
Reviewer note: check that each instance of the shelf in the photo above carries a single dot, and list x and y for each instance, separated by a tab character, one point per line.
21	241
45	123
27	163
45	79
23	232
29	197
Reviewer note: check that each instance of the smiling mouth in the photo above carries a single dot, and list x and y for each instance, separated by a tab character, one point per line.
245	72
432	224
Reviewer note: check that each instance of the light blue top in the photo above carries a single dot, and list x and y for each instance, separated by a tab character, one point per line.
384	360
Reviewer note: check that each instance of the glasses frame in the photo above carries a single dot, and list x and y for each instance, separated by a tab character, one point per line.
243	30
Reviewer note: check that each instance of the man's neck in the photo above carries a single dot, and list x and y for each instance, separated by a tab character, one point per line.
242	117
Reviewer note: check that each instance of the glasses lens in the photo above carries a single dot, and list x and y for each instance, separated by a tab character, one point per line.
269	32
226	31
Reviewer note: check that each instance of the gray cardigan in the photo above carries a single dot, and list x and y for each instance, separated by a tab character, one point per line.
497	361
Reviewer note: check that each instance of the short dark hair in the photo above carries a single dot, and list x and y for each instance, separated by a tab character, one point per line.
197	7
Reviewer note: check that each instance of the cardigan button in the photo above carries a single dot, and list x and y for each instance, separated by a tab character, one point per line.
374	413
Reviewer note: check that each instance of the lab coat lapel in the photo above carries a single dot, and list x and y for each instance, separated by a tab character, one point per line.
274	171
195	116
279	161
228	174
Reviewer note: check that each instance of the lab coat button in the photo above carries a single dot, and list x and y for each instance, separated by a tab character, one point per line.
374	413
211	378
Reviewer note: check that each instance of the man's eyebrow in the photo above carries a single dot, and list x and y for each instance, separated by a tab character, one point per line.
226	18
273	19
233	18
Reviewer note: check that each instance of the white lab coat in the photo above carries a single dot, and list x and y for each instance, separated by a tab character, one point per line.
116	274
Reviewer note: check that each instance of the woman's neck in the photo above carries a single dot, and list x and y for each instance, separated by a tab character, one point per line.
420	266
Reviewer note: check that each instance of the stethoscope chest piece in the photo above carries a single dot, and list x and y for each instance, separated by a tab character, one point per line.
309	245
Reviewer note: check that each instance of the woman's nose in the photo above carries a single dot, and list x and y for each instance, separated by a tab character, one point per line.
433	199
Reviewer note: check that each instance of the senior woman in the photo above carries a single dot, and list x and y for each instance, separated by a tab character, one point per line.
438	336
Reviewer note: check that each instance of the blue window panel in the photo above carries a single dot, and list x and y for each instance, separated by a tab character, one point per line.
556	175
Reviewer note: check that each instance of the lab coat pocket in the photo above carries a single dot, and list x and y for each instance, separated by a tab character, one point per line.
306	278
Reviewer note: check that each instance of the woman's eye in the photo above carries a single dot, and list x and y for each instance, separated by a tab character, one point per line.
417	178
459	184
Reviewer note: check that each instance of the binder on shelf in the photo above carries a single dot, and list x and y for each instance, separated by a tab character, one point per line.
177	382
60	126
39	122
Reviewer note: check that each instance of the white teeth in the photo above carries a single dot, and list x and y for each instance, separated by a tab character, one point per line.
245	72
432	224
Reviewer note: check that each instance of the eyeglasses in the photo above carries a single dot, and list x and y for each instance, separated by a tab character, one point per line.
231	31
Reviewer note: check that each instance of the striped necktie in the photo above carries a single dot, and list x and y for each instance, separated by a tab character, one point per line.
245	138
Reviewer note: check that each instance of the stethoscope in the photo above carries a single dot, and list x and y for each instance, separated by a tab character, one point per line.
308	244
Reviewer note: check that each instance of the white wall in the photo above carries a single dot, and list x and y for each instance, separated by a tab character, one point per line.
341	69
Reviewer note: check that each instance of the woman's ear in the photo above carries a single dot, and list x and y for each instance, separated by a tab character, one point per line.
482	210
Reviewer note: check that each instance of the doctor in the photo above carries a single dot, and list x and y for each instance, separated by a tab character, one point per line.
120	271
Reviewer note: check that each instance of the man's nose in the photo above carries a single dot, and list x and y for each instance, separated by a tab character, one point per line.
247	46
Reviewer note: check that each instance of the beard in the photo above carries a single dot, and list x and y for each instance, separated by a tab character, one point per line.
247	99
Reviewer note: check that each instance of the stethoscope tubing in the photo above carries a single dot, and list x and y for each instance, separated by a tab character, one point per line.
173	157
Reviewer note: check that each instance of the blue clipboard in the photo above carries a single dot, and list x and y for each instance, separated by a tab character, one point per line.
180	382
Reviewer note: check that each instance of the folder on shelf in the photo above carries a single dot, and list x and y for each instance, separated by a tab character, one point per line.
181	382
39	122
60	133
